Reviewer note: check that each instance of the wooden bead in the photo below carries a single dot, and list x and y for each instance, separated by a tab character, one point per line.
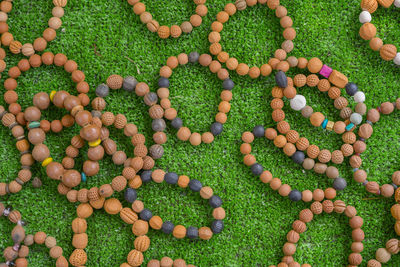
388	52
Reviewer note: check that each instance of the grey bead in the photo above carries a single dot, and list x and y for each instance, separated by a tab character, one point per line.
102	90
195	185
146	215
158	125
167	227
156	151
351	89
217	226
257	169
216	128
298	157
295	195
129	83
259	131
339	183
163	82
150	98
96	113
228	84
146	176
171	178
215	201
36	182
192	232
177	123
356	118
193	57
130	195
281	79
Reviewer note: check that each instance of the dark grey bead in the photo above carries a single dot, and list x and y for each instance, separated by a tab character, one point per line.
156	151
193	57
298	157
228	84
36	182
339	183
192	232
177	123
259	131
102	90
257	169
146	215
171	178
158	125
167	227
351	89
295	195
195	185
150	98
216	128
130	195
217	226
215	201
129	84
163	82
146	176
281	79
96	113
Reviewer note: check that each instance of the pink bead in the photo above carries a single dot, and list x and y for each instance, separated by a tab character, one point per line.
326	71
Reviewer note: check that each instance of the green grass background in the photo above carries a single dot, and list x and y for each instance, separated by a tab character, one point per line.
106	37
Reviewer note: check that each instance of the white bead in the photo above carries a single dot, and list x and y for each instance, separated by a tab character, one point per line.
298	102
365	17
397	3
359	97
356	118
396	59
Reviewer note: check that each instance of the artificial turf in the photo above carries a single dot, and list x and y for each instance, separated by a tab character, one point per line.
106	37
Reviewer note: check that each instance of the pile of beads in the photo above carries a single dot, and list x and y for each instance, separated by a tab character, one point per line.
25	174
174	31
166	261
383	255
368	30
305	216
365	131
276	183
165	110
277	62
178	231
130	84
40	43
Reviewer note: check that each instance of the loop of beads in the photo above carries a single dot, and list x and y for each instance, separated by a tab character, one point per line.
277	62
165	31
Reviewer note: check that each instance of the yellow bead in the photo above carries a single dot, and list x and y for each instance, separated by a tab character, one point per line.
330	125
47	162
95	143
52	95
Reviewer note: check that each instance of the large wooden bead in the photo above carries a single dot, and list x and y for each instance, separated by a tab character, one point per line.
112	206
367	31
135	258
78	257
388	52
369	5
395	210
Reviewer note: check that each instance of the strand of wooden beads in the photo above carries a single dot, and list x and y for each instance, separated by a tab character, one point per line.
40	43
395	209
41	101
365	131
166	261
80	239
25	174
383	255
130	84
277	62
307	215
367	31
174	31
165	109
266	177
156	222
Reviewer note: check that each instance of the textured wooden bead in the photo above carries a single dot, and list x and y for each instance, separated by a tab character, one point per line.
79	225
385	3
205	233
392	246
388	52
382	255
316	119
140	228
112	206
78	257
369	5
80	240
142	243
